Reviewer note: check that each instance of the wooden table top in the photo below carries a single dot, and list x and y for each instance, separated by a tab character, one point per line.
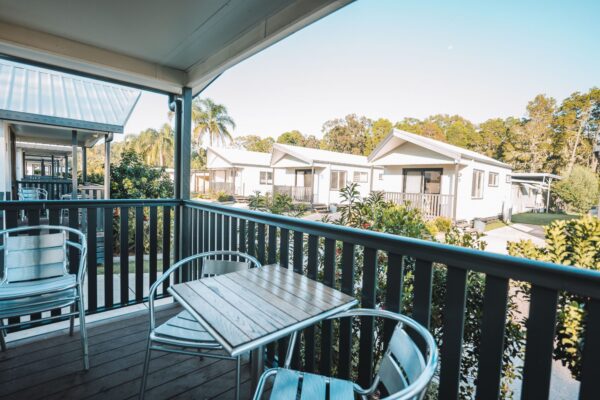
248	309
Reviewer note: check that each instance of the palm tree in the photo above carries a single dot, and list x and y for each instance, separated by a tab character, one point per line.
211	119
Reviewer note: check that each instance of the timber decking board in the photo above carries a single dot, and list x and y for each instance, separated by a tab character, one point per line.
49	367
241	325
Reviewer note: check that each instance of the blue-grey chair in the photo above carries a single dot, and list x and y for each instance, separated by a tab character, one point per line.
404	372
36	278
182	333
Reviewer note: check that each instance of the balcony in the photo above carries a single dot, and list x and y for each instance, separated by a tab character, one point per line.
430	205
341	257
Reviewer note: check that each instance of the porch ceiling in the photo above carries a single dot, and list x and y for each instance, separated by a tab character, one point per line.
151	43
53	135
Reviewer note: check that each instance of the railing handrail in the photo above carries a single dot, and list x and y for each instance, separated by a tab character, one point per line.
560	277
12	205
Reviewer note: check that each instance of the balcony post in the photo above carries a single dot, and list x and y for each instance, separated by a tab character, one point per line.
84	164
455	191
107	140
74	164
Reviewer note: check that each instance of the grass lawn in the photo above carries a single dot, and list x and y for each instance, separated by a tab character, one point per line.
540	218
495	225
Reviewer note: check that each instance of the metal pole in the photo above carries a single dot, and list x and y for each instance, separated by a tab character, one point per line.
84	164
107	141
548	195
74	164
52	167
43	168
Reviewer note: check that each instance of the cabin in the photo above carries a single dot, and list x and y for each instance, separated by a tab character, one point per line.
441	179
237	172
530	191
316	176
48	121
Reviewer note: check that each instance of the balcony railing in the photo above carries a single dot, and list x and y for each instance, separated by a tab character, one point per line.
297	193
430	205
55	187
348	259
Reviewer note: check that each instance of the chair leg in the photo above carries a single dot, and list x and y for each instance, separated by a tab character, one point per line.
145	371
238	372
83	332
72	321
2	334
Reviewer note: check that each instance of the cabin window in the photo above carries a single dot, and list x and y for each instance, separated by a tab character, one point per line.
338	180
360	177
266	177
477	188
423	181
493	179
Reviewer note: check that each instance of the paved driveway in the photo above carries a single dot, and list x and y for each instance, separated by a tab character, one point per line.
498	238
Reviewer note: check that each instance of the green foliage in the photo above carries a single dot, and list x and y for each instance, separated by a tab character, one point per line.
380	129
223	197
212	120
579	190
255	143
296	138
281	204
576	243
346	135
439	225
376	214
131	178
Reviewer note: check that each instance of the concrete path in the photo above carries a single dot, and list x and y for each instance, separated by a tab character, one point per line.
497	239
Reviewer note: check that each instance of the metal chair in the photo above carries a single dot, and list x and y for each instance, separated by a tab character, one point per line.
405	372
31	193
183	332
35	277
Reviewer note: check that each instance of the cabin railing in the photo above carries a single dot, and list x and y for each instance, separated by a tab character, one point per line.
430	205
350	260
297	193
55	187
222	187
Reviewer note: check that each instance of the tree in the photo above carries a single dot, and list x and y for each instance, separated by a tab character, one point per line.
212	120
532	139
296	138
131	178
578	189
346	135
380	129
255	143
496	136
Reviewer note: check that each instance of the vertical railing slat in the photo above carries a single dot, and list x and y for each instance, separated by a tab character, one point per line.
166	244
541	326
393	299
139	254
284	248
422	292
367	324
492	337
309	333
590	367
347	286
242	235
327	329
252	238
454	317
298	265
109	249
272	251
92	260
54	219
124	255
234	234
261	243
153	244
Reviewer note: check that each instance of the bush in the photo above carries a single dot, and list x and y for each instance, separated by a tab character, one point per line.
579	190
281	204
223	197
439	225
576	243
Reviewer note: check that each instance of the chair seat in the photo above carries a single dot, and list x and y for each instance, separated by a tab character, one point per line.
37	287
24	298
184	328
312	386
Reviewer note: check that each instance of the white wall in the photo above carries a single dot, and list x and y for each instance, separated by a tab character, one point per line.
248	181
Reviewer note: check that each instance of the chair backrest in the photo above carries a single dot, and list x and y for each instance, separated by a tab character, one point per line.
29	193
402	362
35	257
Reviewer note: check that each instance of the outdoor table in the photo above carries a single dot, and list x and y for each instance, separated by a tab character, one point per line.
248	309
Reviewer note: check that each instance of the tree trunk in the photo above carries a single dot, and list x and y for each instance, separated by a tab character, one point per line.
582	124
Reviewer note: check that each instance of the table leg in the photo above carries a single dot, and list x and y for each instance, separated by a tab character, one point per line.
257	364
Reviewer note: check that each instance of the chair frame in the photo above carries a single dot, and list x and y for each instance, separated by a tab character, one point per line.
182	344
416	389
77	301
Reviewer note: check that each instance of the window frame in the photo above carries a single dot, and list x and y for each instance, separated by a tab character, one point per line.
360	173
481	173
496	182
266	181
331	180
422	171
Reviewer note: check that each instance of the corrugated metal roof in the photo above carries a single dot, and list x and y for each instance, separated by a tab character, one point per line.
38	95
317	155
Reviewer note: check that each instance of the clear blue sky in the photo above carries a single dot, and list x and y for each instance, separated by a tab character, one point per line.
399	58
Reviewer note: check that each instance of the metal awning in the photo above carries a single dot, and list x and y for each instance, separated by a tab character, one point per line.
40	96
157	44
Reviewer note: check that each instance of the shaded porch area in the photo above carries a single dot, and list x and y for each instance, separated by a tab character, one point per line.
49	366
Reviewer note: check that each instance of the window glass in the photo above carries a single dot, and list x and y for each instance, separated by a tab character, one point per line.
413	183
432	181
360	177
477	186
338	180
266	177
493	179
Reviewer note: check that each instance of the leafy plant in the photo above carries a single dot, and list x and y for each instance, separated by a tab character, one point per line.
578	190
223	197
576	243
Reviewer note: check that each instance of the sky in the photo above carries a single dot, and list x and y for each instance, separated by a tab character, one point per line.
409	58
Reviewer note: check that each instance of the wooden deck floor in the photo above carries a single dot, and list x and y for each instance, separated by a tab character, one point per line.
51	367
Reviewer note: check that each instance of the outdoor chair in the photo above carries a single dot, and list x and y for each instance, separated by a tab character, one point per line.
35	277
31	193
404	372
182	333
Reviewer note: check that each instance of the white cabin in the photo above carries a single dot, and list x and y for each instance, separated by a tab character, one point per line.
531	191
239	172
316	176
442	179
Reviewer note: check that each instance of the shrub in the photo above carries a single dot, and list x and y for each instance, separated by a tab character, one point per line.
579	190
439	225
223	197
574	242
